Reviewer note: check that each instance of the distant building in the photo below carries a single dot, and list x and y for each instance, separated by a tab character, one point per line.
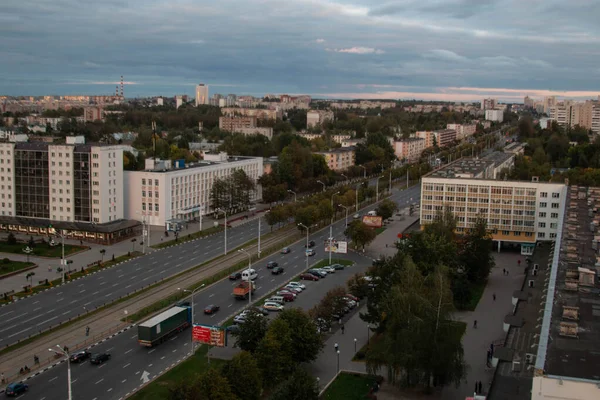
318	117
409	149
528	102
178	101
339	159
252	112
463	131
245	125
488	104
159	101
549	102
91	114
201	94
442	137
494	115
352	142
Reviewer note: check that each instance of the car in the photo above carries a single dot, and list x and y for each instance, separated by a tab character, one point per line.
80	356
288	296
15	389
233	329
211	309
272	306
240	319
322	270
274	300
277	270
310	244
296	284
235	276
329	269
286	291
310	253
356	216
100	358
338	267
272	264
292	289
351	303
320	274
351	297
285	250
309	277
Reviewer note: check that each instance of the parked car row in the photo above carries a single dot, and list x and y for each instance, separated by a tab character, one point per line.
315	274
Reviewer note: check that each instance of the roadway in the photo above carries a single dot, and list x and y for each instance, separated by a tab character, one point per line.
131	362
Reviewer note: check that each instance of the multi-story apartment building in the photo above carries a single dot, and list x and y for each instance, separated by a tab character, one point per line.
528	102
488	104
167	191
91	114
233	123
570	114
516	212
251	112
201	94
463	131
409	149
549	102
494	115
318	117
440	138
339	159
595	126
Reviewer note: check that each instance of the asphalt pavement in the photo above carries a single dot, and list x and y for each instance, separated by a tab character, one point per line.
132	364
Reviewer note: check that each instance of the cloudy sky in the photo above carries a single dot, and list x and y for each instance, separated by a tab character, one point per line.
429	49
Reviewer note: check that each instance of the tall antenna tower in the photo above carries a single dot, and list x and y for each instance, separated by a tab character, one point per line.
117	91
122	87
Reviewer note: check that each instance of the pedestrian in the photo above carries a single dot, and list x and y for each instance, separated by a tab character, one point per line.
480	387
343	329
336	346
36	359
2	378
492	348
494	296
87	331
519	262
503	271
475	324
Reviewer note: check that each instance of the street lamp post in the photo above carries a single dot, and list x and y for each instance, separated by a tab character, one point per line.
390	179
249	280
344	176
338	361
331	227
294	193
218	210
322	184
355	340
357	189
66	354
345	208
192	299
259	232
365	171
377	189
305	255
200	212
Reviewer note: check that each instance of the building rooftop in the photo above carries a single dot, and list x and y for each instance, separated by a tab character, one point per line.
167	166
463	168
412	139
498	157
337	150
571	345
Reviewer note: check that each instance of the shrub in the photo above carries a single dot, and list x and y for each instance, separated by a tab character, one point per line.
11	239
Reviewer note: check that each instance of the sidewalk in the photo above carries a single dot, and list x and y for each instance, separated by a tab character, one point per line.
47	266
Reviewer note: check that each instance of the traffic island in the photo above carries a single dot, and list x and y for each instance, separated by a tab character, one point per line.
37	248
10	267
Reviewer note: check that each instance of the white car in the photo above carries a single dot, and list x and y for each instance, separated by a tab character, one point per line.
356	216
296	284
329	269
272	306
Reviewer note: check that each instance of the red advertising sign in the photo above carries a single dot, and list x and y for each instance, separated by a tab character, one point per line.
211	335
372	221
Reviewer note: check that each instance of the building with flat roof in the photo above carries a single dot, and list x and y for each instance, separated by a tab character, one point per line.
339	159
516	212
494	115
409	149
201	94
318	117
568	351
252	112
173	190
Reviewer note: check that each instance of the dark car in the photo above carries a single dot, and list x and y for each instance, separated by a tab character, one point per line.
338	267
277	270
310	244
80	356
272	264
211	309
285	250
15	389
233	329
320	274
235	276
100	358
309	277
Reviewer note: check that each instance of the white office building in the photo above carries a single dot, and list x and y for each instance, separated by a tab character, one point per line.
201	94
170	190
494	115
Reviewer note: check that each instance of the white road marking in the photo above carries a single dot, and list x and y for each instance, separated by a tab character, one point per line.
102	283
211	295
89	302
82	291
124	380
109	390
151	351
126	365
95	293
230	305
56	377
128	351
59	300
99	381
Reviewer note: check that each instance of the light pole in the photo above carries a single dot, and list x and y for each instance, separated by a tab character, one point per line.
200	212
331	226
357	189
344	176
338	361
294	193
322	184
249	280
66	354
268	211
365	171
144	231
377	189
218	210
355	340
390	179
192	298
62	257
345	208
305	255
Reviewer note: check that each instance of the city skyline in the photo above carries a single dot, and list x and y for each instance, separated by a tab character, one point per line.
456	50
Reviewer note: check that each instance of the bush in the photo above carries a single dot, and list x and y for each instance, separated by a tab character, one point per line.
360	355
5	261
11	239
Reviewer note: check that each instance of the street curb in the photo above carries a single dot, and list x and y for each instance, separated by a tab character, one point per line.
41	371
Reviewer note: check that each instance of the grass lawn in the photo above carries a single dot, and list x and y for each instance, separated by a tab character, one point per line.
476	293
186	238
334	260
40	249
349	387
8	266
159	388
380	230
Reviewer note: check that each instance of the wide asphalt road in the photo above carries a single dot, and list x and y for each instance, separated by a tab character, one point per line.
132	363
31	315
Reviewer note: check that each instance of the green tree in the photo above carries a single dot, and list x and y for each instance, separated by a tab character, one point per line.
476	252
360	234
244	376
299	386
274	353
386	209
251	331
358	286
210	385
306	341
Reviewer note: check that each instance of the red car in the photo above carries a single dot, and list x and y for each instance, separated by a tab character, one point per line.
351	297
211	309
308	277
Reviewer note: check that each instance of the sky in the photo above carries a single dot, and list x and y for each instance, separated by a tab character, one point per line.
456	50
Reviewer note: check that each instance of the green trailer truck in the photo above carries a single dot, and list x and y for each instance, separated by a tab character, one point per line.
164	325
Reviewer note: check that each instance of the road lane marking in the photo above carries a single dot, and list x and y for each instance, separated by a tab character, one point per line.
59	293
162	358
74	301
124	380
102	283
89	302
33	303
109	390
126	365
211	295
110	294
99	381
39	308
56	377
82	291
95	293
128	351
151	351
66	312
127	287
230	305
59	300
48	320
134	336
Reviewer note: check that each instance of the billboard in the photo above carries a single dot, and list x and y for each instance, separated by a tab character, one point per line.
338	247
207	334
372	221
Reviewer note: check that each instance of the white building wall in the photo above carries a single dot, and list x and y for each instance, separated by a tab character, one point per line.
7	179
107	187
61	184
494	115
552	388
551	199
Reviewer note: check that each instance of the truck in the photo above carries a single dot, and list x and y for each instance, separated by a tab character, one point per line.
242	289
164	325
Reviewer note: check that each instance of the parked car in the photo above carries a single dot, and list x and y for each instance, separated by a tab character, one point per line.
286	291
100	358
310	253
338	267
310	244
15	389
351	297
309	277
80	356
285	250
356	216
275	299
239	319
272	264
292	289
272	306
296	284
233	329
235	276
287	296
211	309
351	303
329	269
277	270
320	274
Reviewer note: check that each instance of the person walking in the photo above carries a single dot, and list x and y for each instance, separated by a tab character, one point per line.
343	328
480	388
494	296
475	324
519	262
87	331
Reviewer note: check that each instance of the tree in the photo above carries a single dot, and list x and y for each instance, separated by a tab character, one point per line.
476	254
244	376
331	304
358	286
11	239
306	341
386	209
210	385
274	353
360	234
299	386
251	331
